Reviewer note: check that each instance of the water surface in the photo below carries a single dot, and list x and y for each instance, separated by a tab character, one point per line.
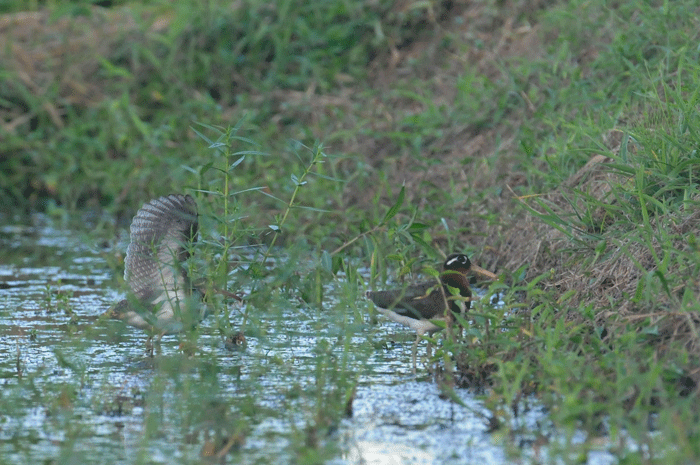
76	388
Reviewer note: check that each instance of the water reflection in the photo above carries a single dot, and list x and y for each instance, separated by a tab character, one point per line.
81	389
410	423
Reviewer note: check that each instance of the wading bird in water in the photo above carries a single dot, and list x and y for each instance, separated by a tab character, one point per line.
417	306
162	298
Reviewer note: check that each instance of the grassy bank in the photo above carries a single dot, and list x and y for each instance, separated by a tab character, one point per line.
556	142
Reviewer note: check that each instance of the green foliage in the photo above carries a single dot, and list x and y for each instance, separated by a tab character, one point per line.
612	372
619	80
208	56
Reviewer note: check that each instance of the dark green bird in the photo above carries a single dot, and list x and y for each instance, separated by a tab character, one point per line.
417	306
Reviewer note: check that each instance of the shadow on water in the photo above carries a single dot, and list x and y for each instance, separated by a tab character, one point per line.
76	388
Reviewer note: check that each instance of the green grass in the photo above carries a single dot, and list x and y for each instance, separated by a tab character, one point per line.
323	133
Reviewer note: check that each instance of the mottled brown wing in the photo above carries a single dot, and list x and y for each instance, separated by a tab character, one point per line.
422	300
160	234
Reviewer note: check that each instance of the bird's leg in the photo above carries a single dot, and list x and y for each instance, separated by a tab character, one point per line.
149	346
415	350
160	336
429	352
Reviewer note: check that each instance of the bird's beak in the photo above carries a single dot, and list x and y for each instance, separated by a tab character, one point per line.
110	314
485	273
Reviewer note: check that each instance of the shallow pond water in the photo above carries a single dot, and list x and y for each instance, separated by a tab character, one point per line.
79	389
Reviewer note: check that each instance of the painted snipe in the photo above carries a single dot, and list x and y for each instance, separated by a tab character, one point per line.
162	299
417	306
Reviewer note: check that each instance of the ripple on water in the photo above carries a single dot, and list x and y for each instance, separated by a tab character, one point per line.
114	396
409	423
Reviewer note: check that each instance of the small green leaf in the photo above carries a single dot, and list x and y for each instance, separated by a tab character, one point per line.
395	208
249	189
236	163
206	168
461	320
600	246
417	227
202	136
430	271
214	193
216	129
262	191
313	209
250	152
452	290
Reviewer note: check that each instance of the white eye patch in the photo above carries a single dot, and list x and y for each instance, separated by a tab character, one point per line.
457	259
